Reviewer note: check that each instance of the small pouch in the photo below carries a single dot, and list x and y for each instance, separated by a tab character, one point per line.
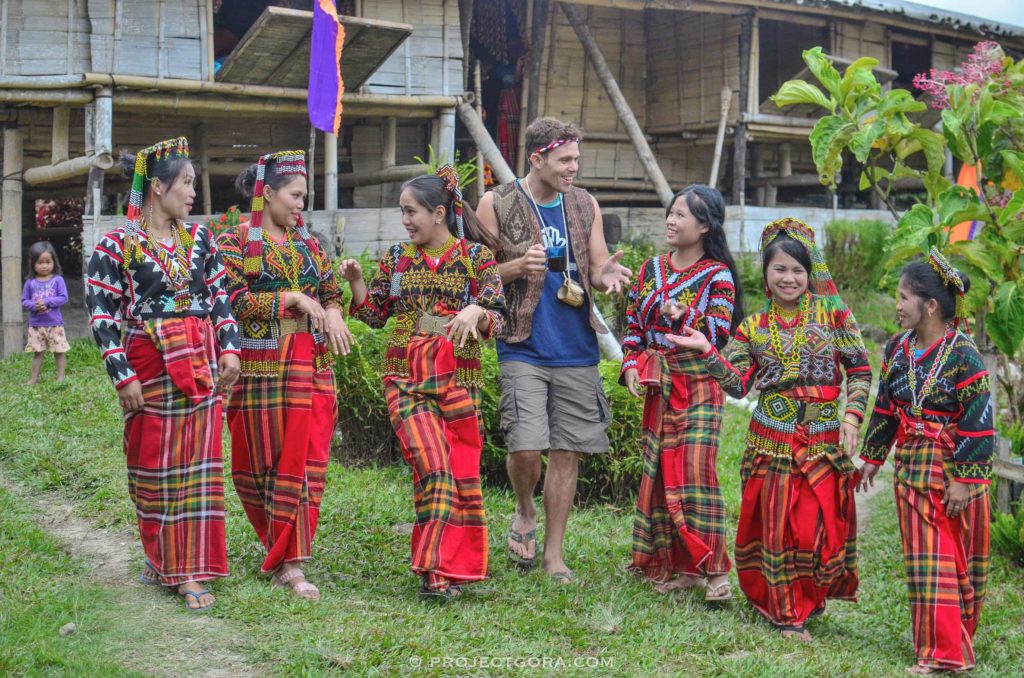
570	293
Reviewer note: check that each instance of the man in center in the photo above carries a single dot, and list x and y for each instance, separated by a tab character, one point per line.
550	248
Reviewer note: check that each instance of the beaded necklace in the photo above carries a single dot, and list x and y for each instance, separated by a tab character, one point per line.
917	397
292	268
177	266
791	361
438	252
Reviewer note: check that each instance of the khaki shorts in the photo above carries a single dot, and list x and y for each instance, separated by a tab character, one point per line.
43	339
553	408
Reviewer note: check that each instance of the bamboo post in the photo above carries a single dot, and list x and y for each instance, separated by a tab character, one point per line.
204	168
471	119
541	12
61	131
478	104
388	150
10	250
330	171
720	138
739	163
524	99
619	103
446	136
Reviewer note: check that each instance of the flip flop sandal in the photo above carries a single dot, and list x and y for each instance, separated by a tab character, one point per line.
718	594
524	539
146	578
197	595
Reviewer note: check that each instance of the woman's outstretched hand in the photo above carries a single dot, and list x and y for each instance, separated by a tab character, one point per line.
691	339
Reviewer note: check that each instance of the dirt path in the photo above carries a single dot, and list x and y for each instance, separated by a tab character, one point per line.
883	483
169	642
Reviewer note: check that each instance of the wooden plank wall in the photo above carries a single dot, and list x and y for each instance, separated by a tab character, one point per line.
160	38
367	141
45	37
416	67
570	89
691	56
866	39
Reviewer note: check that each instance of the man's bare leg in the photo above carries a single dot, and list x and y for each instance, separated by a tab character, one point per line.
559	494
524	473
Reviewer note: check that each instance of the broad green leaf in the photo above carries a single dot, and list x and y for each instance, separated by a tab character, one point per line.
958	204
1004	324
1015	161
953	130
830	135
900	101
858	76
822	68
914	226
933	146
799	92
980	257
860	144
1012	208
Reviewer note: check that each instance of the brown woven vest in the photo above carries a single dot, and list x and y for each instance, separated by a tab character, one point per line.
518	229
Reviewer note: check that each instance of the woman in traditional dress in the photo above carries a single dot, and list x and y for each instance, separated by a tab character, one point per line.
934	406
282	411
161	316
679	528
446	297
797	534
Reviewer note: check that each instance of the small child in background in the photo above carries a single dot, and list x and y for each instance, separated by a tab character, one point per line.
43	295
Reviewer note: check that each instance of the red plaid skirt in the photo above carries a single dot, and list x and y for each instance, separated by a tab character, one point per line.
796	542
437	425
281	428
173	449
679	526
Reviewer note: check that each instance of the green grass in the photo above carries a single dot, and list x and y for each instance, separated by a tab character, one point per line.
370	621
42	588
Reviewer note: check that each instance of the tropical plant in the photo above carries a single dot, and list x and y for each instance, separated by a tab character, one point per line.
465	170
982	108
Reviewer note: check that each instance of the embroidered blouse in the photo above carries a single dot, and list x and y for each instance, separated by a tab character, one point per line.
960	402
144	292
258	302
831	343
409	284
705	290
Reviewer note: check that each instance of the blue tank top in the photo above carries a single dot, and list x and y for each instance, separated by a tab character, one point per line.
561	336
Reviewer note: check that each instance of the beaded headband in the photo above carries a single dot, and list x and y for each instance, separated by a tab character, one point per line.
555	144
821	282
950	278
168	149
450	177
285	163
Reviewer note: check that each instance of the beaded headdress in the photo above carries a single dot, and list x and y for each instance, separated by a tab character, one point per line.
820	279
555	144
164	150
450	177
950	278
284	163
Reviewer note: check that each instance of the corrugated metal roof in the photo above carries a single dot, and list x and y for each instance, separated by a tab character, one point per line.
924	13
